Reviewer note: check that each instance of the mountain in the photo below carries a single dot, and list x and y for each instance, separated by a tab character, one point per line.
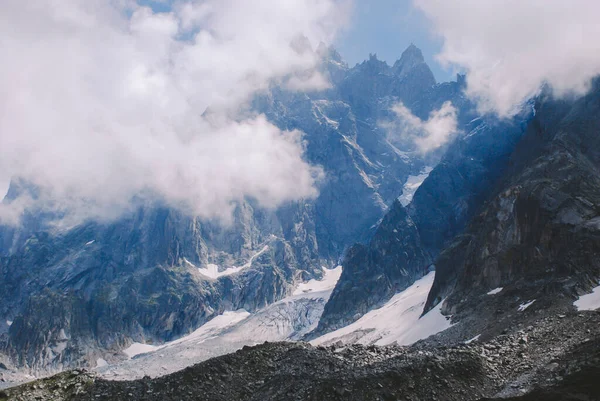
78	294
537	237
482	285
409	238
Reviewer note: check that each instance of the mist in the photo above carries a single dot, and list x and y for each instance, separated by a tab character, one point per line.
106	101
511	48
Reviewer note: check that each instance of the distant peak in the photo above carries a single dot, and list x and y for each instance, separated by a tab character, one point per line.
410	58
301	45
329	53
412	52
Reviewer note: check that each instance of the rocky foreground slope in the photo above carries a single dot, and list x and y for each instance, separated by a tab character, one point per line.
541	356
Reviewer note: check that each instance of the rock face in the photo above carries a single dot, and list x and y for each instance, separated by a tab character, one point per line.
538	236
372	273
409	239
156	274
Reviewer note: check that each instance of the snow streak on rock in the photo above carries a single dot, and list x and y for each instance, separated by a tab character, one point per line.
412	184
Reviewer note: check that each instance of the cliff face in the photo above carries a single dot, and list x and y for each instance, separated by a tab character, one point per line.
409	239
538	236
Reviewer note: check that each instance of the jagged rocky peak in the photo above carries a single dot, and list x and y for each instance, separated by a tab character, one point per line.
301	44
374	66
329	53
410	58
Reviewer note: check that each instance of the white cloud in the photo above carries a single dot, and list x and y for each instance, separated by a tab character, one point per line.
103	101
510	48
427	135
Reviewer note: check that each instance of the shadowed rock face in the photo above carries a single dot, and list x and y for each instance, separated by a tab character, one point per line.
73	294
408	240
372	273
539	233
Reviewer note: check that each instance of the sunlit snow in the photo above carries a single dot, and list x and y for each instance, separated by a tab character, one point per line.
412	184
589	301
397	321
330	278
212	271
138	348
495	291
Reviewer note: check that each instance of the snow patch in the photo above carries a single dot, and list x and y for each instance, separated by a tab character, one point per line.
139	348
412	184
589	301
330	278
398	321
211	271
211	328
90	242
495	291
9	323
473	339
526	305
100	363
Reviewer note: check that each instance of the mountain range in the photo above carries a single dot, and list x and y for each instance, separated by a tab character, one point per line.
475	265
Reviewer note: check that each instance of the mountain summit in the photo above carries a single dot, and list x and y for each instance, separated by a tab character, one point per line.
411	58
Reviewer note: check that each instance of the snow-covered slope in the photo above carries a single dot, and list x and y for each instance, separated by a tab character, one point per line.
398	321
589	301
289	319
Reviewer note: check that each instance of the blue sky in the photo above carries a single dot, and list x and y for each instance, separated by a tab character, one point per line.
387	27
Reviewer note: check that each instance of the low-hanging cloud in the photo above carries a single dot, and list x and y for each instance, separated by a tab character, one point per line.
102	102
428	135
511	48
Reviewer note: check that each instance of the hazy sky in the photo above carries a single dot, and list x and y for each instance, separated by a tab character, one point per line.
387	27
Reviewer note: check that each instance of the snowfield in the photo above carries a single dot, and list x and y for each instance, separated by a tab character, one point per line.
589	301
330	278
398	321
288	319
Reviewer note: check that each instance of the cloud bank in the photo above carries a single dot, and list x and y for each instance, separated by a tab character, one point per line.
429	135
510	48
105	101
